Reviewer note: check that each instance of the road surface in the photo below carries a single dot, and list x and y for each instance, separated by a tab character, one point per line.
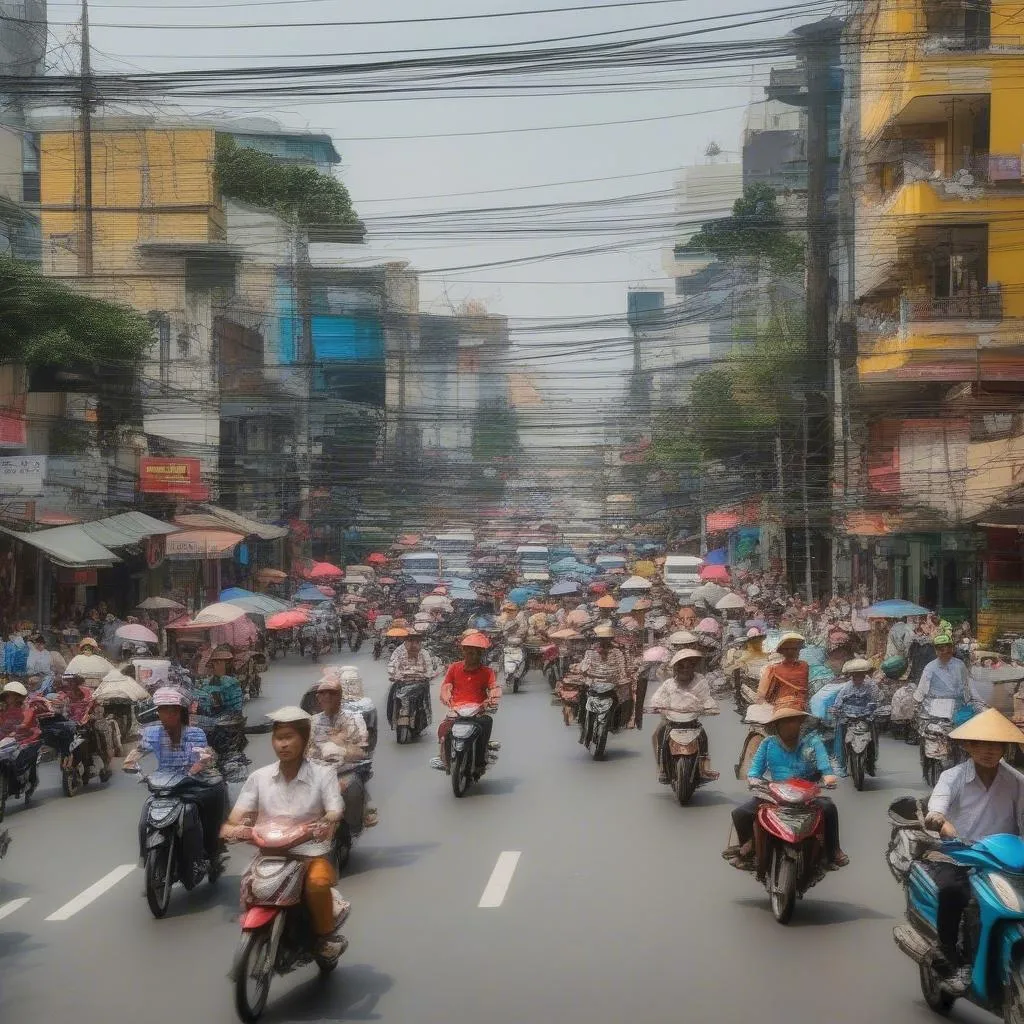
558	890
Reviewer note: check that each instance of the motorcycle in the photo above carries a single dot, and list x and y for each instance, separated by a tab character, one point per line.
681	753
461	744
15	783
314	638
227	737
382	642
789	840
351	826
861	746
277	935
597	716
756	717
934	725
5	842
352	631
410	708
77	760
551	664
171	838
513	665
992	928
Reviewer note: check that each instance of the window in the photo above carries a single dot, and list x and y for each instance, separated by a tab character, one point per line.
30	191
161	324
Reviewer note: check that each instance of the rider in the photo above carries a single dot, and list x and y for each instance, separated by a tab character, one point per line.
83	710
607	663
409	660
179	746
784	684
299	791
685	692
945	676
18	720
219	693
860	696
980	797
470	681
785	755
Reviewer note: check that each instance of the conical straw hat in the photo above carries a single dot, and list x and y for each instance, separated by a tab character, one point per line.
991	727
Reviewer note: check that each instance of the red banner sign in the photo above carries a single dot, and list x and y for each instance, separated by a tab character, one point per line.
179	477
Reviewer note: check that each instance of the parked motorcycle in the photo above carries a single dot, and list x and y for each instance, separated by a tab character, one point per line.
277	935
410	708
513	665
171	838
681	753
15	783
461	743
789	837
860	742
992	928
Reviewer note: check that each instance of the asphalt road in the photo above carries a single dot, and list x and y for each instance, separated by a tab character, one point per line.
617	908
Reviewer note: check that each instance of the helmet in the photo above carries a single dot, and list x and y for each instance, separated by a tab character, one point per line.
475	640
167	697
16	687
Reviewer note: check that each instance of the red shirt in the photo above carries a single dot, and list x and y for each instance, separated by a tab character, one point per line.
466	686
19	723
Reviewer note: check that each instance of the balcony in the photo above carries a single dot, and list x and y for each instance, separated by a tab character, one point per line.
984	305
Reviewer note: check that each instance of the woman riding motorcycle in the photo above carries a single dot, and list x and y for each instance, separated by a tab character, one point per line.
18	722
786	683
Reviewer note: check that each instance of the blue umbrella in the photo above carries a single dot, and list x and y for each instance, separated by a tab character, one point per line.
894	609
309	593
626	605
717	557
259	603
520	595
564	587
234	592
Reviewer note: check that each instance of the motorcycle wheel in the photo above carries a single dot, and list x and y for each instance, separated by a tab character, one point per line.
460	772
516	680
251	966
403	734
783	883
378	650
936	997
159	880
255	685
549	674
686	779
3	795
70	781
931	773
600	737
356	642
1013	1010
342	848
856	770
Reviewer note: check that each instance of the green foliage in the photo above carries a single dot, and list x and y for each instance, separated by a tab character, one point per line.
495	432
755	235
294	192
44	323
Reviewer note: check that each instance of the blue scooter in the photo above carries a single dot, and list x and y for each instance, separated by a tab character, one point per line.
992	930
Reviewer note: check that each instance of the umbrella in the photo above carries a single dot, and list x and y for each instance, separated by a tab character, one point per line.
323	571
88	666
137	633
655	654
577	617
563	634
387	581
271	576
520	595
287	620
720	556
261	604
893	610
377	559
360	570
328	591
233	592
309	593
434	601
565	587
708	593
598	588
730	601
636	583
714	573
218	614
627	604
161	604
465	595
116	684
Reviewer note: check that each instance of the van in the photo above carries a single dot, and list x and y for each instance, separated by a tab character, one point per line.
681	574
421	563
532	560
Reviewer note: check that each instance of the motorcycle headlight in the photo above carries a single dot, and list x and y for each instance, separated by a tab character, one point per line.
1007	892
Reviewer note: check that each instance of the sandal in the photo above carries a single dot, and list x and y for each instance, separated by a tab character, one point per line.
840	860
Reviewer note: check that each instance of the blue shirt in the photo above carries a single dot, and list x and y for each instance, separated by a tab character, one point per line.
155	739
227	690
856	699
806	761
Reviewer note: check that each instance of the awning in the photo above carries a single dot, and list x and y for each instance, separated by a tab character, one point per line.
202	544
67	546
872	524
127	528
215	518
730	518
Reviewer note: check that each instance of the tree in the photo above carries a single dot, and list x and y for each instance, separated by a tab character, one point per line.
495	432
754	236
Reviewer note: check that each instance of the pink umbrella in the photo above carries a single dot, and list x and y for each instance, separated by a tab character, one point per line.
137	634
714	573
324	571
328	591
656	654
287	620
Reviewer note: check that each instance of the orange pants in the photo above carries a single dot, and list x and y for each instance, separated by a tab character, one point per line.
320	877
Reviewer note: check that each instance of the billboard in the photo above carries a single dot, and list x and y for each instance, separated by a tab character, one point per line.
178	477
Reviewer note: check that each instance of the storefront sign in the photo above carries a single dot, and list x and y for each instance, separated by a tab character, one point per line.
170	476
77	577
23	475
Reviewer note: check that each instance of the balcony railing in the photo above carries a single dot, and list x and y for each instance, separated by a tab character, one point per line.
986	305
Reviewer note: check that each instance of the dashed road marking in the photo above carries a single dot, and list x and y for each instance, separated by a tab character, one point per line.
500	880
6	909
97	889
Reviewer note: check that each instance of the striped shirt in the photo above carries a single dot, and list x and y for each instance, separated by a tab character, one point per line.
155	739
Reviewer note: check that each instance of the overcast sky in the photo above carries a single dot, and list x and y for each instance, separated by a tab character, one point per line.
665	130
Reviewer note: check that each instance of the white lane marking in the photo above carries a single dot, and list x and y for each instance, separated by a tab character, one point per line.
9	908
500	880
97	889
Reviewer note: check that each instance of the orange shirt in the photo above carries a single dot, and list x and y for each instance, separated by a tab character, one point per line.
785	685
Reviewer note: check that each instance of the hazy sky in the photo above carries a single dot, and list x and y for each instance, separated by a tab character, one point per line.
664	130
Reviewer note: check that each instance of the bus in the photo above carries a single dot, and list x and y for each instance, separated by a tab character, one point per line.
532	560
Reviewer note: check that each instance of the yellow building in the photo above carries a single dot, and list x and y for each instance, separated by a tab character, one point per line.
940	278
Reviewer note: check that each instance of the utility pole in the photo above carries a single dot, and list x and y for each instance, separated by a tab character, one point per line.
807	508
87	97
304	441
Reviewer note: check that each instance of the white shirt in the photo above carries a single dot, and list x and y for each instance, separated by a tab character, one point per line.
976	812
308	797
945	681
695	698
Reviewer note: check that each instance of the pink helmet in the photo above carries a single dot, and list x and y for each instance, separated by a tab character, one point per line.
709	625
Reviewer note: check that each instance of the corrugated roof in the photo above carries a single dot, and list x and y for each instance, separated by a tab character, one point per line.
127	528
67	546
216	518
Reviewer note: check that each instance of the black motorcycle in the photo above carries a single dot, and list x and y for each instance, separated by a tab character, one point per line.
171	838
352	632
461	746
227	737
598	715
77	756
351	825
18	775
409	711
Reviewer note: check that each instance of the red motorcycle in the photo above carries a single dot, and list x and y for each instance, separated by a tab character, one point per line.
789	842
277	935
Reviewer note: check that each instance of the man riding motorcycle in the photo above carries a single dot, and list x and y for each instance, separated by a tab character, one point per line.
981	797
785	755
298	791
179	746
83	711
860	696
685	692
607	663
945	676
470	681
410	661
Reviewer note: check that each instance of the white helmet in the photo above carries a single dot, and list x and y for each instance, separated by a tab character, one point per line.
15	687
351	683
